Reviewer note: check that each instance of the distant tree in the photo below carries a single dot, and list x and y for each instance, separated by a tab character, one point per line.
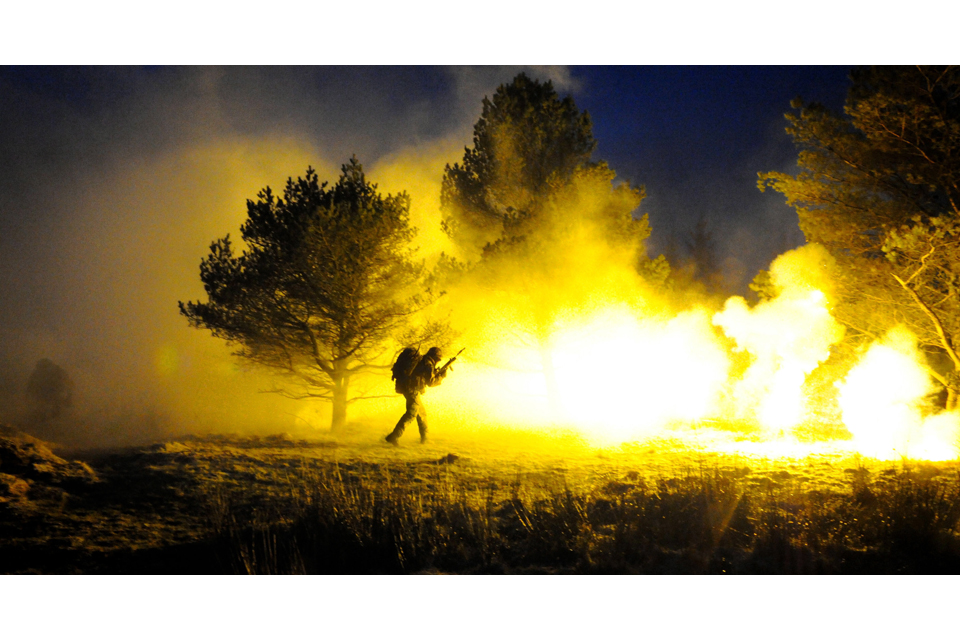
763	286
49	391
880	188
326	284
701	246
671	250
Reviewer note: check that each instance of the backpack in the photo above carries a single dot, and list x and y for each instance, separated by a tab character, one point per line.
403	368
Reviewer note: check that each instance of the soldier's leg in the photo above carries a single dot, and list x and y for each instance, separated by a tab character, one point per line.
408	416
422	422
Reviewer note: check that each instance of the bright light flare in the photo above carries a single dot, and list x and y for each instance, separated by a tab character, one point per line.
621	377
593	352
788	338
883	404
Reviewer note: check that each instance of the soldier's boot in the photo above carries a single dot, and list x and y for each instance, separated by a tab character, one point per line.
397	431
422	423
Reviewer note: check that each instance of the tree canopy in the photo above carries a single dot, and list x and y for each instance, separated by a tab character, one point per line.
526	142
528	179
880	187
895	155
326	282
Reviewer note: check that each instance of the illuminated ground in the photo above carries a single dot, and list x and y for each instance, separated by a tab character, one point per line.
497	501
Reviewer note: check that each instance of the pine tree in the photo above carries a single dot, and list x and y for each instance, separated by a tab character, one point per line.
880	188
526	143
326	282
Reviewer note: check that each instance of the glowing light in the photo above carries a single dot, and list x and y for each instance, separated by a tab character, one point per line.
578	344
624	370
938	439
883	403
788	337
621	377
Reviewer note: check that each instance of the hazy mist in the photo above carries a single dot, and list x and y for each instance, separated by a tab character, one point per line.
113	183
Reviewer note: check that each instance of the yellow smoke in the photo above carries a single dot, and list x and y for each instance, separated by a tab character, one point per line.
418	171
622	376
885	407
568	336
135	243
565	337
787	337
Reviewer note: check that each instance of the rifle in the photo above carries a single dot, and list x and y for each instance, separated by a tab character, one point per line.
443	369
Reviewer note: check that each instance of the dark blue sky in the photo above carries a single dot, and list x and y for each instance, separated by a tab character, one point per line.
697	136
676	123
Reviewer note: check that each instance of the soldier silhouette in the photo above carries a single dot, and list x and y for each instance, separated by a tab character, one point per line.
413	375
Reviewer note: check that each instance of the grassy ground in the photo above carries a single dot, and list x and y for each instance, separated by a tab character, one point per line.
498	503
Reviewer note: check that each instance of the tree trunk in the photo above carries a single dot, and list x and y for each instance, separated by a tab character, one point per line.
945	340
339	419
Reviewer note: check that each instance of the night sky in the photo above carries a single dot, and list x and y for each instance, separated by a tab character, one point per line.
113	181
696	138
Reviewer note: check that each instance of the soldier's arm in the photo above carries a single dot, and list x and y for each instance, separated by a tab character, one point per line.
437	377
